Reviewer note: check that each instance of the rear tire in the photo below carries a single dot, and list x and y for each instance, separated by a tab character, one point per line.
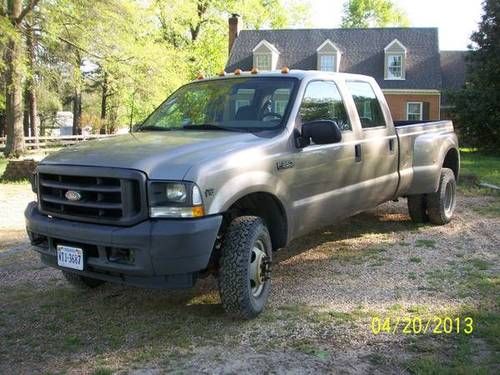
417	208
441	204
244	267
82	282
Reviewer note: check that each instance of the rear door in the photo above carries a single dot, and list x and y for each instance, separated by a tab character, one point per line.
321	181
377	148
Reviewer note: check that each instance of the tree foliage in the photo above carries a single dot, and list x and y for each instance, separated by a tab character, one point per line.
477	106
372	13
112	62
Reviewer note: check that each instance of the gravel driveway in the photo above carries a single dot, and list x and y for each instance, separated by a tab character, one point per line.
327	288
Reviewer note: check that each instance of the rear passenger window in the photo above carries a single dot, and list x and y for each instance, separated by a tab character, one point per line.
322	101
369	110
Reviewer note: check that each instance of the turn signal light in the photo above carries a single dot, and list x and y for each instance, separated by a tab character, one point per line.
198	211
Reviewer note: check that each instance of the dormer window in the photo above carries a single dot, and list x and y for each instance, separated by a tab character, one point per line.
328	57
327	63
395	59
263	61
265	56
394	67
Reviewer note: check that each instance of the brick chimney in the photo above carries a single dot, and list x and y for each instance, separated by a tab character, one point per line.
234	29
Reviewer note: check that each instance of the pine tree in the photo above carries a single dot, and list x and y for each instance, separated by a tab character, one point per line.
477	106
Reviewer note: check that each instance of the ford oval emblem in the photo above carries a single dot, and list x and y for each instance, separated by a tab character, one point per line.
72	195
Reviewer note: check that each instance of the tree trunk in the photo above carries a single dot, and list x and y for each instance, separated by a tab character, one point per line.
77	97
77	111
104	98
31	92
26	114
14	102
33	113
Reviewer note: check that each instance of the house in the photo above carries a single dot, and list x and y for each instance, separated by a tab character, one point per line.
406	62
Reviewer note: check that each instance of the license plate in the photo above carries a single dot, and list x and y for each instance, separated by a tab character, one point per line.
70	257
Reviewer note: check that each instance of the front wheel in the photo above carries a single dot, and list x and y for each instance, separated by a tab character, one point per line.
441	204
245	267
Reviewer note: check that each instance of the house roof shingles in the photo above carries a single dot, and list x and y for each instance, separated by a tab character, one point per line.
362	52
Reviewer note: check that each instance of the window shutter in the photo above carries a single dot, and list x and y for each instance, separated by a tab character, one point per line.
425	111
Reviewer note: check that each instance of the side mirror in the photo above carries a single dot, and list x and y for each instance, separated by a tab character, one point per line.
321	132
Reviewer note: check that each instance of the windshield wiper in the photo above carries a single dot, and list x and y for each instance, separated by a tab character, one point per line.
154	127
212	127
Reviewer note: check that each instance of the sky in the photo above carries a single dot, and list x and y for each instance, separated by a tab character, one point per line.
456	19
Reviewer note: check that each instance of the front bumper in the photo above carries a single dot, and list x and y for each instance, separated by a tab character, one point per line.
167	253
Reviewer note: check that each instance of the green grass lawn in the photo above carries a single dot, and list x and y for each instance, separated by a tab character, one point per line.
485	167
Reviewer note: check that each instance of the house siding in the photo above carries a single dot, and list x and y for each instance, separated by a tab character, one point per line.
397	104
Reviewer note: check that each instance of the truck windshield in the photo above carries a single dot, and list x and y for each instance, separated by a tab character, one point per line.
239	104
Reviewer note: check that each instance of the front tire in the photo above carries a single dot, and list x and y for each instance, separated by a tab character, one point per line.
82	282
441	204
244	267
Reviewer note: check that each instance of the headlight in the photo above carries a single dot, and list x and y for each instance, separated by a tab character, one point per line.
175	199
176	193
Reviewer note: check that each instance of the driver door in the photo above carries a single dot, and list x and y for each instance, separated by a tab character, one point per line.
324	174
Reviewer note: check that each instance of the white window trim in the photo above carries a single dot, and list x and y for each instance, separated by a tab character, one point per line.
321	55
258	54
273	53
403	73
336	55
398	43
421	104
400	51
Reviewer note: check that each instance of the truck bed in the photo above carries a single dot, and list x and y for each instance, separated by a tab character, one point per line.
418	165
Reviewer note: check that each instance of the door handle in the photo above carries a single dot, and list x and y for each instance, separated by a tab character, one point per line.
391	145
357	152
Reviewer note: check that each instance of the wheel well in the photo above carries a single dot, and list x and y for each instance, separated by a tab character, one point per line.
451	161
267	207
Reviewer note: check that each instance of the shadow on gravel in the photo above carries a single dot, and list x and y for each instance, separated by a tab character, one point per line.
357	226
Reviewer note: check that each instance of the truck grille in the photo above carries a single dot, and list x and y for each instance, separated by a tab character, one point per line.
100	195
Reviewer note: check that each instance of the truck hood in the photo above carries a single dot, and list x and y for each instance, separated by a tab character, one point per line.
161	155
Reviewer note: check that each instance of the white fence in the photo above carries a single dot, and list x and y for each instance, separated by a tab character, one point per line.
47	142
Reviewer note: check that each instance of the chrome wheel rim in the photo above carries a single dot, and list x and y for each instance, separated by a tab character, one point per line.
259	262
449	199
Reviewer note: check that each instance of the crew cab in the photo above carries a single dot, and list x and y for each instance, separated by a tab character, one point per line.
226	171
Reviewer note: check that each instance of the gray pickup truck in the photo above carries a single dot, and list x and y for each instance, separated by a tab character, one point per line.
226	171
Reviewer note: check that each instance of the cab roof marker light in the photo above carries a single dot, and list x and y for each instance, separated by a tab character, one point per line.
285	70
254	70
237	72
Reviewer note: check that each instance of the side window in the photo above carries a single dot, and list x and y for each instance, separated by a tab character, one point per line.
322	101
369	110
